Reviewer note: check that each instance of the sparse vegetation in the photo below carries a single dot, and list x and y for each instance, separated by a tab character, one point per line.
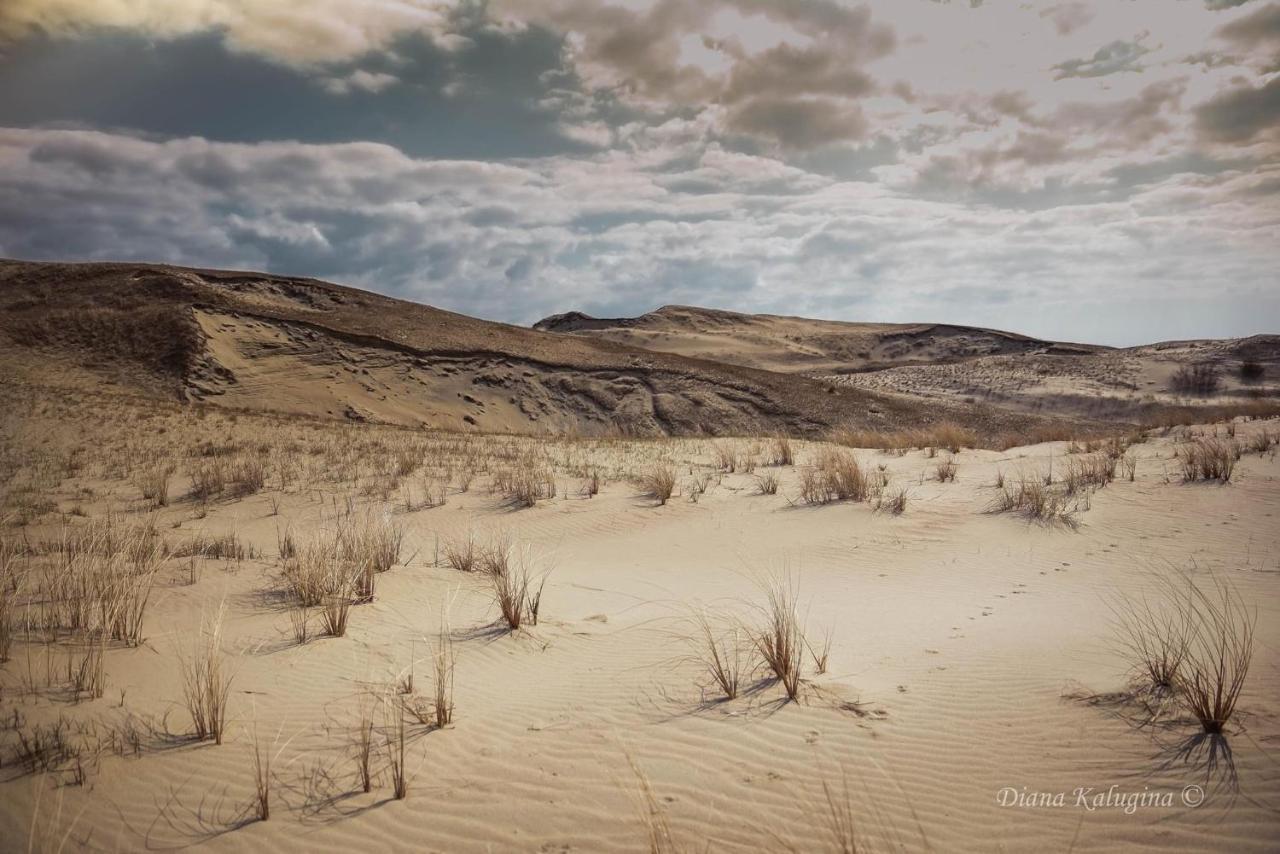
206	682
1208	459
1202	379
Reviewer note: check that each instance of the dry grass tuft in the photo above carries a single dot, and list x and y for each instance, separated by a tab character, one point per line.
442	701
780	640
462	555
658	482
945	471
206	683
514	591
724	653
1153	637
1219	651
1208	459
767	484
834	476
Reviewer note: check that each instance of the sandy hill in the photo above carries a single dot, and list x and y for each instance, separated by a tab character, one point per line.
944	363
304	346
799	344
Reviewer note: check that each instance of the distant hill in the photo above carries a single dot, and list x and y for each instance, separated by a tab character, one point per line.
797	344
298	345
946	364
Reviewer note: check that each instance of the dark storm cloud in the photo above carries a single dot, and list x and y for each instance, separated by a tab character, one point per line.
482	100
1241	114
1254	28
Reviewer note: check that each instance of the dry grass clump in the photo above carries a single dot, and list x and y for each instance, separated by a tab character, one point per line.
1199	379
153	483
336	571
206	682
1262	442
442	703
462	554
1094	470
13	577
767	484
395	748
780	451
1218	653
1034	499
99	576
946	435
780	640
527	481
945	471
227	476
369	539
515	593
1197	643
834	476
894	502
225	547
1208	459
1153	637
318	576
724	653
658	482
726	455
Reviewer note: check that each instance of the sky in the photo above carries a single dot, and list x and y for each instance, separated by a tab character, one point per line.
1089	171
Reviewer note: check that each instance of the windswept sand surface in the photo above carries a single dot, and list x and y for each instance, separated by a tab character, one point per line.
961	645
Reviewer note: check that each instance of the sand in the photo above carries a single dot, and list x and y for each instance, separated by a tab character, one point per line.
963	646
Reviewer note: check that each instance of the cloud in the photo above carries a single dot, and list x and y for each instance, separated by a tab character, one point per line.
360	80
1116	57
1068	17
1241	114
612	233
1256	28
315	32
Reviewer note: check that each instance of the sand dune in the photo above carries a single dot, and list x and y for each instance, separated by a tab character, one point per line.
948	364
265	342
971	652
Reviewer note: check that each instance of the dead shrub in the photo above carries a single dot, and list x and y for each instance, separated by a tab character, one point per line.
1199	379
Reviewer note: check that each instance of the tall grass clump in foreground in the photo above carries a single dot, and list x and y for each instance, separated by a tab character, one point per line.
834	476
1153	637
723	653
395	748
514	590
1218	654
442	702
1208	459
658	482
779	639
206	682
